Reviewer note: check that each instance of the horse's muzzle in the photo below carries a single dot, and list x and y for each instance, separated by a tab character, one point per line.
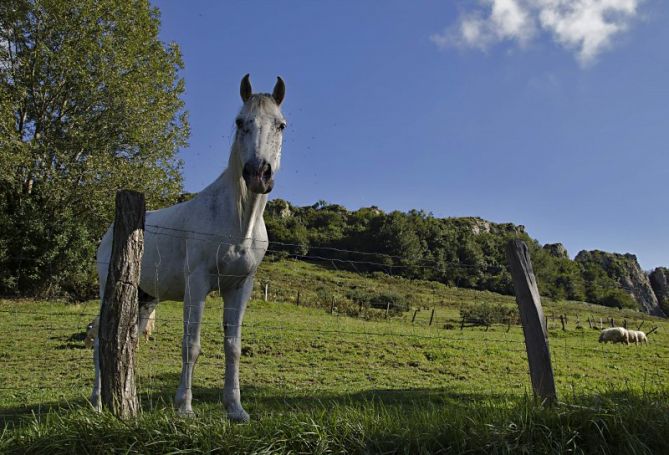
257	174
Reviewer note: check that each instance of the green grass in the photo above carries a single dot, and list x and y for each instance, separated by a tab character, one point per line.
316	382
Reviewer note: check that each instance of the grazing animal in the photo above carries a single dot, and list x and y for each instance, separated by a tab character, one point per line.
214	241
614	335
147	324
637	336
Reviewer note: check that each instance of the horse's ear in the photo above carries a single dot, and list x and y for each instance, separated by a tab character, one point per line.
245	88
279	91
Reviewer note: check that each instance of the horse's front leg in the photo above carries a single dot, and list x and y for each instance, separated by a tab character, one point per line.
197	288
233	315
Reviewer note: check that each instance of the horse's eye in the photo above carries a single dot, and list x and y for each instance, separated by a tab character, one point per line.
240	123
282	126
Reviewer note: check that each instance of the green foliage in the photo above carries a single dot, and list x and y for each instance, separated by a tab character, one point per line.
89	103
394	302
463	252
617	298
486	314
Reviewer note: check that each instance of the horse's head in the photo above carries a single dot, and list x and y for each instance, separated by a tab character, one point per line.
260	126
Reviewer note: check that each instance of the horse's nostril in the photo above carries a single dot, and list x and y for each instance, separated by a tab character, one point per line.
267	172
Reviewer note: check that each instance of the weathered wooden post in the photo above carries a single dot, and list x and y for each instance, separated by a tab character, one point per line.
119	311
265	297
613	323
387	308
413	319
332	305
589	321
297	301
432	316
562	320
532	317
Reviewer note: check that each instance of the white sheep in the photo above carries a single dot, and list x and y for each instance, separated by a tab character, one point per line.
147	324
638	336
614	335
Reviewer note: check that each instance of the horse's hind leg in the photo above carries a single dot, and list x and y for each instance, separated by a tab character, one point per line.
196	292
97	384
147	307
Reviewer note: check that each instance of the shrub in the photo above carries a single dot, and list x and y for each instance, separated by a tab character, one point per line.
379	301
617	298
486	314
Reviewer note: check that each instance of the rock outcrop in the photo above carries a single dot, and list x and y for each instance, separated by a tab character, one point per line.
556	250
659	281
625	270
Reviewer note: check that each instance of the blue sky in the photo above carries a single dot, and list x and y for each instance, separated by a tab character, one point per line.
523	111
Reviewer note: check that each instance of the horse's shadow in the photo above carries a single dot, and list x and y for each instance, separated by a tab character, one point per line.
266	401
157	395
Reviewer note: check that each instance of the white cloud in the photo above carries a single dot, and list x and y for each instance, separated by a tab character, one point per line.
586	27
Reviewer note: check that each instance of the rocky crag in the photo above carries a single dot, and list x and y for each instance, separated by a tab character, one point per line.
659	281
625	270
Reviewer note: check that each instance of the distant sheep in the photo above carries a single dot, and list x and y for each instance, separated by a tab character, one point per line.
614	335
637	336
147	324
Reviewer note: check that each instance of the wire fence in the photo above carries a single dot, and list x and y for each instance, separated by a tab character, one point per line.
305	332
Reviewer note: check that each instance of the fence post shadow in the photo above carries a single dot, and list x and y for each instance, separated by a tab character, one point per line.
533	320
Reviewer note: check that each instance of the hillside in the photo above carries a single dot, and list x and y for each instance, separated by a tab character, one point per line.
464	252
324	378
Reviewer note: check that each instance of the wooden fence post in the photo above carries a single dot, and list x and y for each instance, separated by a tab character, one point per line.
297	301
119	311
413	319
266	291
387	308
532	317
431	317
613	323
589	322
562	320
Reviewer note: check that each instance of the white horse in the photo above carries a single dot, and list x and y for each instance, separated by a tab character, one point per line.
213	242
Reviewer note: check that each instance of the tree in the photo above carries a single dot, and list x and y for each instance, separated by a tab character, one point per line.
89	103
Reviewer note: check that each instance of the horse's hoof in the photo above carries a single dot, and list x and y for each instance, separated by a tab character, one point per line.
186	413
238	416
96	403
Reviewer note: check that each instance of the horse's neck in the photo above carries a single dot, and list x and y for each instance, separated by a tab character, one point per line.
252	209
243	209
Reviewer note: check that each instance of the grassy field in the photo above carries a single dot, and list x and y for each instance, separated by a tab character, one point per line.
321	381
